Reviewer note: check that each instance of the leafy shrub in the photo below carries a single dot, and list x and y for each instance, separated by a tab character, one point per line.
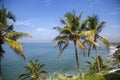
112	76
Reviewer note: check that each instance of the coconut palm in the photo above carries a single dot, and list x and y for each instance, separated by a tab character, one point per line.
93	24
34	71
8	35
73	31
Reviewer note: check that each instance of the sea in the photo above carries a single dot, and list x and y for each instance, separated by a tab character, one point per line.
13	64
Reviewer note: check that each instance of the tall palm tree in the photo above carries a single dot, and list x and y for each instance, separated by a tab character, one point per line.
8	35
93	24
34	71
73	31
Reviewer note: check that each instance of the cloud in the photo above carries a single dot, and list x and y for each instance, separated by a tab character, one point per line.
25	22
116	26
116	11
47	2
41	29
93	3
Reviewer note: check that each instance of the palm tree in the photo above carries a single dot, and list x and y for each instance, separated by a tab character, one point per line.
34	71
73	31
93	24
8	35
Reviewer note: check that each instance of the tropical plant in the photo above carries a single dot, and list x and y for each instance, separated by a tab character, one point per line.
34	71
93	66
8	35
118	46
73	31
116	61
93	24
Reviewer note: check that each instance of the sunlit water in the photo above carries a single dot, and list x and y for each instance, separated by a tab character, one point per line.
46	53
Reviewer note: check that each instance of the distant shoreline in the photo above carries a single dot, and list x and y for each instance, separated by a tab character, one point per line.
115	43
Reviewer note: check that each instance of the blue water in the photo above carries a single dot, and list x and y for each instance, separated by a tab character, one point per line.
46	53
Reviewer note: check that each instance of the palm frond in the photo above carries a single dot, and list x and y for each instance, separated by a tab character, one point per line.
80	15
57	28
17	34
42	65
89	48
9	28
15	46
43	72
100	26
105	42
92	42
59	37
80	44
88	62
24	76
11	16
63	21
62	49
66	31
88	34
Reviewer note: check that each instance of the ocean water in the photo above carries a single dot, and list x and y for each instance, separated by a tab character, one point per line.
46	53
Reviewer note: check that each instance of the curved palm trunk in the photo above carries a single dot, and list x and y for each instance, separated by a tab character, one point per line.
97	59
77	60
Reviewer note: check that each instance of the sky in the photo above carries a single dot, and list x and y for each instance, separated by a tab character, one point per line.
38	17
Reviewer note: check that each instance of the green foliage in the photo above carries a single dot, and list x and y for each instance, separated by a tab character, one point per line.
7	33
93	66
116	61
34	71
112	76
118	46
91	76
73	31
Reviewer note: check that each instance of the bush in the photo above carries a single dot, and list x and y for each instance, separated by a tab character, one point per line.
93	76
112	76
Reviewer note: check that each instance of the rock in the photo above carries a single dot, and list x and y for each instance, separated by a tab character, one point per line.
117	52
115	70
70	76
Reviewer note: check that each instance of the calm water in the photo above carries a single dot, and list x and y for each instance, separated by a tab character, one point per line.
13	65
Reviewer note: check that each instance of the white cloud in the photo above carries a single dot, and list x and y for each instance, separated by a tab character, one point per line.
47	2
93	3
41	29
26	22
116	26
116	11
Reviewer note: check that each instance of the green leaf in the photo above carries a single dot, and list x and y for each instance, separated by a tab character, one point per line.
80	44
17	34
105	42
15	46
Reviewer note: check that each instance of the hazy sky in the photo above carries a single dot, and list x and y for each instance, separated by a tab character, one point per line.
38	17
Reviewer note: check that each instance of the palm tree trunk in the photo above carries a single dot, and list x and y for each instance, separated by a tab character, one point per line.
0	71
77	60
1	52
97	59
